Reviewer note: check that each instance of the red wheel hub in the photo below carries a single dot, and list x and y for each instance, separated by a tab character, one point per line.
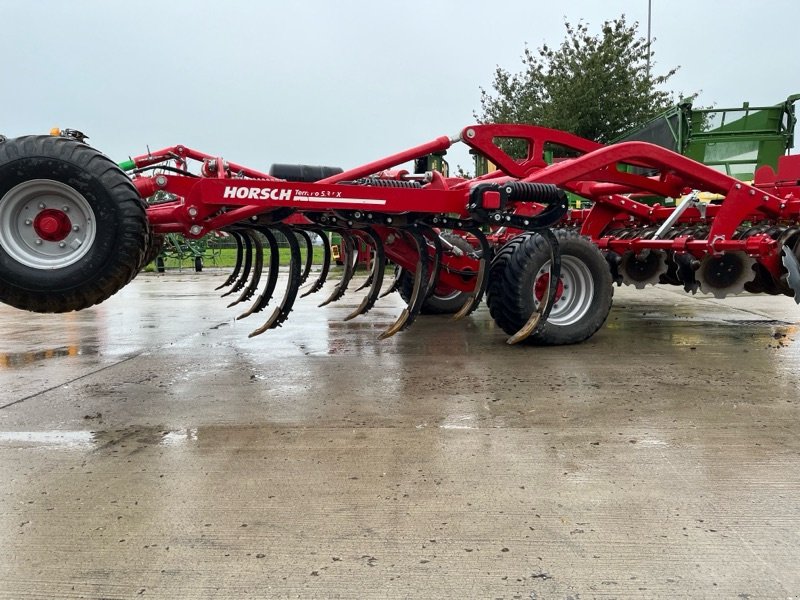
541	285
52	225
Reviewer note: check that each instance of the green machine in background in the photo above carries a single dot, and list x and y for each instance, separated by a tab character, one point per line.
735	141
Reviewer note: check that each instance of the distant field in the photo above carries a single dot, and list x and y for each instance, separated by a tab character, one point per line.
226	257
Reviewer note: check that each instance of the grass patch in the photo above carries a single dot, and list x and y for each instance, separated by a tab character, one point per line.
226	258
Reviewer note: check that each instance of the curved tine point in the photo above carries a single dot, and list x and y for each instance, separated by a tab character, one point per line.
481	280
475	297
419	292
398	325
272	275
268	325
375	275
309	254
258	268
546	304
248	263
367	282
398	274
349	269
239	253
326	264
281	313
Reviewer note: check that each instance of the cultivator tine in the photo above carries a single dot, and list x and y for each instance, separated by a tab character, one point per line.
482	278
541	313
430	234
281	313
419	293
375	278
309	255
367	281
258	267
239	254
326	263
248	264
398	274
272	275
349	269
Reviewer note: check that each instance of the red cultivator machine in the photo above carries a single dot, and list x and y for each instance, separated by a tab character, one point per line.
75	227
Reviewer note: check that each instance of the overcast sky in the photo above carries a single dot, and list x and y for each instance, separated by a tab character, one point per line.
341	82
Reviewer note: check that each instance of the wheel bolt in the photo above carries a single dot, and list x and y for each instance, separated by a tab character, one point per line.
65	208
61	244
28	221
41	206
75	228
38	242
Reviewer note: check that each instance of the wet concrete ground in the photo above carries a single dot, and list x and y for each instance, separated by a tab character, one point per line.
148	448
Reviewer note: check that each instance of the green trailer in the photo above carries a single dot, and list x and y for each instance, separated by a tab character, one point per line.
736	141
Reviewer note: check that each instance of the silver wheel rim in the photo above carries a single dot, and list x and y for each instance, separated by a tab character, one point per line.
576	299
19	208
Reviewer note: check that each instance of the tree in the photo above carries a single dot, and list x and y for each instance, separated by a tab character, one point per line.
596	87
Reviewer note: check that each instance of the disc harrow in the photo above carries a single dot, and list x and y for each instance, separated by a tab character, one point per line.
546	270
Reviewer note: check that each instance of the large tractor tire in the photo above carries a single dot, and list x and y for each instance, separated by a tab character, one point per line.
73	229
519	278
155	244
443	300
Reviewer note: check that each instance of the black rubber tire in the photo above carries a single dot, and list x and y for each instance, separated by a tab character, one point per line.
198	264
510	293
154	248
121	229
160	266
437	305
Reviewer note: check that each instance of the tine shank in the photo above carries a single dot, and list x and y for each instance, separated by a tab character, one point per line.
349	269
375	277
248	263
326	263
281	313
239	254
540	314
430	234
398	274
418	294
272	275
309	254
482	278
258	267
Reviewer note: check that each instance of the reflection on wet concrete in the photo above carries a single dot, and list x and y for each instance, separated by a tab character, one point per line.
181	459
48	439
10	360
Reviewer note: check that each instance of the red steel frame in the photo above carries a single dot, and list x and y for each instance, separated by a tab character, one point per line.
226	194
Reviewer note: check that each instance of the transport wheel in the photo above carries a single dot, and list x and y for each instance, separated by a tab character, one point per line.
198	264
73	229
519	278
444	300
160	266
